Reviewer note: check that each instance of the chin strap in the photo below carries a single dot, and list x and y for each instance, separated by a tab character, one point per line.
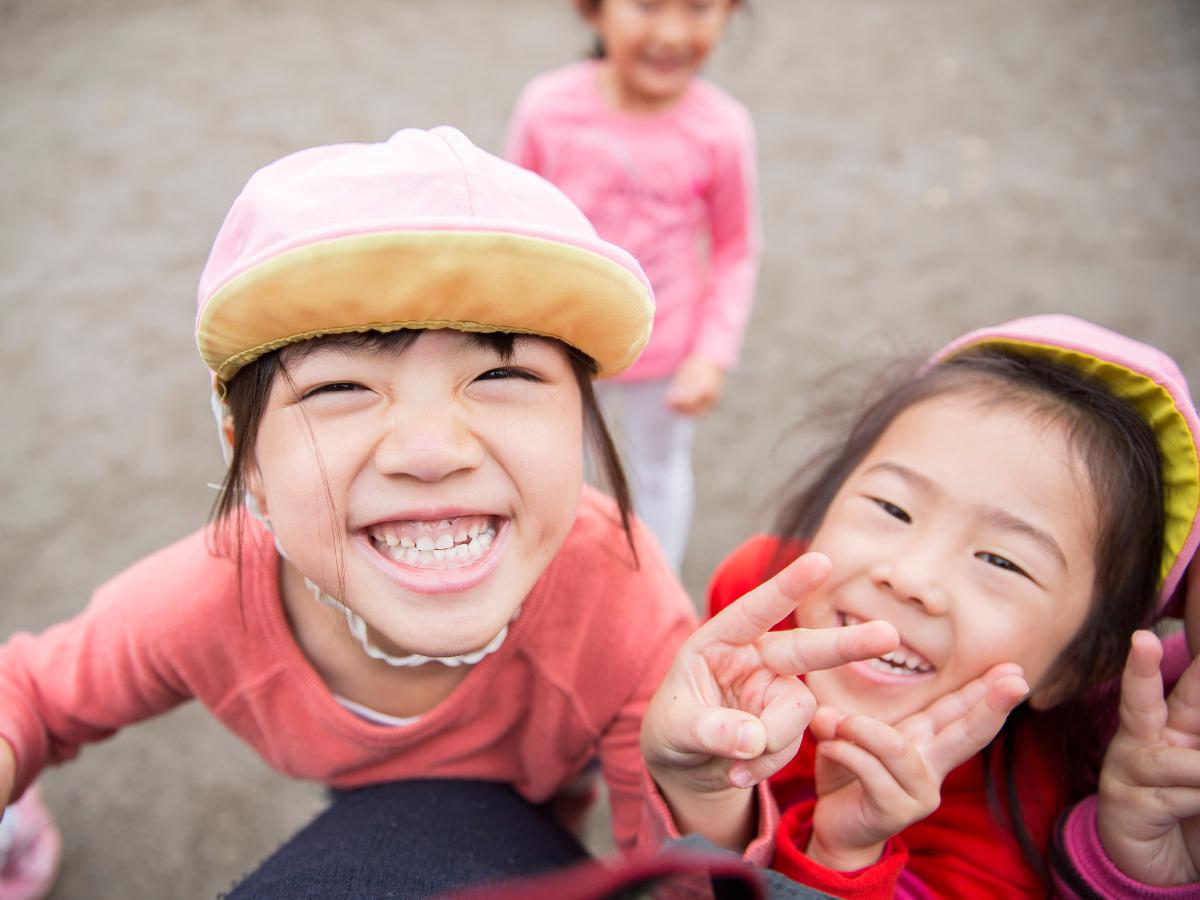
358	625
358	628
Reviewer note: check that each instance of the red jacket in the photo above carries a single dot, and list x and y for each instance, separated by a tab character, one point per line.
959	851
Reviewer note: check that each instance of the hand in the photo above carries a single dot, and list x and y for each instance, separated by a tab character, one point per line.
874	780
731	711
1148	809
695	387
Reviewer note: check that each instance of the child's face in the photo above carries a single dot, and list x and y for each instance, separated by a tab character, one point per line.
655	47
970	527
427	489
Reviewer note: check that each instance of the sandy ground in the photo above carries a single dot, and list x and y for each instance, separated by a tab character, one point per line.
927	166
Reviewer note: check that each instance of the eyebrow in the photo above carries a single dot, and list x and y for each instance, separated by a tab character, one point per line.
993	515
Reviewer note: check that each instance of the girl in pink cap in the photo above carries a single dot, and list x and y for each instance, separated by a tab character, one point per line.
405	577
1016	509
662	162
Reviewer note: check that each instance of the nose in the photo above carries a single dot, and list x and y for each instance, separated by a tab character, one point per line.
671	27
428	443
916	573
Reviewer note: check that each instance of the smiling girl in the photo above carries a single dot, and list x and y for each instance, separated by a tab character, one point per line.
406	578
662	162
1015	510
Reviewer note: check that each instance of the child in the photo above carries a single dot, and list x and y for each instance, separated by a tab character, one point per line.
402	338
1023	500
661	161
1140	835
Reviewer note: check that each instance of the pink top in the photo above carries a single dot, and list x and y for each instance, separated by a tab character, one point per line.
661	186
572	680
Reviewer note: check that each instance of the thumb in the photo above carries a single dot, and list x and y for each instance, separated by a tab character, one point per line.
726	733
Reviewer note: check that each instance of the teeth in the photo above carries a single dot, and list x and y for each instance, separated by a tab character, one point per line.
449	544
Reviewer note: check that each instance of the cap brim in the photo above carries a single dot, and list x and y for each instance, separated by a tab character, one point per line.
478	281
1176	433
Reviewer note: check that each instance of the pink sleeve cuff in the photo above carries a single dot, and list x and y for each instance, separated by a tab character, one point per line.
662	828
1082	869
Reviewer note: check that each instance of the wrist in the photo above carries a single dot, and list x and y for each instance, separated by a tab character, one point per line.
843	859
727	816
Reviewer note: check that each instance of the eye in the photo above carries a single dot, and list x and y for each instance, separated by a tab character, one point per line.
892	509
504	372
1000	562
334	387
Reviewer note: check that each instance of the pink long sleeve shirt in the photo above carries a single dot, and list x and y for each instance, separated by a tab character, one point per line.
662	186
572	679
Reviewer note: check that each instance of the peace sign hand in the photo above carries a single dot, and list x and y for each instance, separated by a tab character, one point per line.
874	780
1148	809
732	711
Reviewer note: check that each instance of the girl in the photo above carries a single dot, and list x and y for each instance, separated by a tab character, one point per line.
1023	500
661	162
405	578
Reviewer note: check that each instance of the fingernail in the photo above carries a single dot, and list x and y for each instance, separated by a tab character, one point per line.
747	738
741	778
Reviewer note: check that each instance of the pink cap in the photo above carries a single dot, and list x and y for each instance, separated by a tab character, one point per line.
1150	382
424	230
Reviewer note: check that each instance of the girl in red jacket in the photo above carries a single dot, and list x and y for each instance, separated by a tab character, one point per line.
1014	510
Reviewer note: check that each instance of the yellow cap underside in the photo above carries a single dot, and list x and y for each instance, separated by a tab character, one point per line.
469	281
1177	449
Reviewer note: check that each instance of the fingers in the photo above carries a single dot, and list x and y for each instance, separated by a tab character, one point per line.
806	649
953	706
824	723
963	737
1143	709
789	708
722	732
746	620
1183	708
891	769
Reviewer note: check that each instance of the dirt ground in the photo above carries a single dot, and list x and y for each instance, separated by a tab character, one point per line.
927	166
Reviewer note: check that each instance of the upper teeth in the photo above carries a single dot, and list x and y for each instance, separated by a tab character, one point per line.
900	658
449	541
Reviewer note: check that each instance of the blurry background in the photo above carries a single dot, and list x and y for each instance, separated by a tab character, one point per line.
927	166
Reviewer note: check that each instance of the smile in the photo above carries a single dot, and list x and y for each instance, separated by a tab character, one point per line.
451	543
903	661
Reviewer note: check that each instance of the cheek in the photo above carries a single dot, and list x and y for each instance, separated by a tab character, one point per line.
545	458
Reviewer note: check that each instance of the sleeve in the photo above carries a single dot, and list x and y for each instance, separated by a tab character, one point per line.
642	820
877	881
520	146
749	565
82	680
735	247
1083	871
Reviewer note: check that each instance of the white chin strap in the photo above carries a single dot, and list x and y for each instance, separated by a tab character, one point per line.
358	628
358	625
